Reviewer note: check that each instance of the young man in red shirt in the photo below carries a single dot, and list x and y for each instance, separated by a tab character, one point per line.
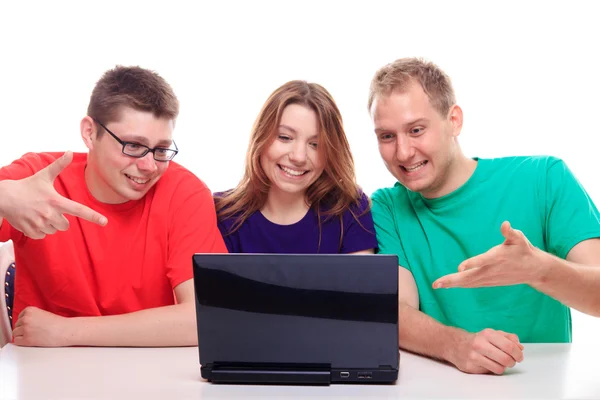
104	240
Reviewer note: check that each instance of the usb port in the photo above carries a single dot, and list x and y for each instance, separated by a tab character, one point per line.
365	375
344	374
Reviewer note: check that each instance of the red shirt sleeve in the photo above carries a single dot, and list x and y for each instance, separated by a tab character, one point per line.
193	229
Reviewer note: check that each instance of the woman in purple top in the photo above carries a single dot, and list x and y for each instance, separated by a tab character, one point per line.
299	191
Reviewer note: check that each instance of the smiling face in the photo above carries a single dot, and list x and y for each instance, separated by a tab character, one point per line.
113	177
292	161
418	144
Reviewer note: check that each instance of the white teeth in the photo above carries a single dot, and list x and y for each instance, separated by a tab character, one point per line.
415	167
291	171
137	180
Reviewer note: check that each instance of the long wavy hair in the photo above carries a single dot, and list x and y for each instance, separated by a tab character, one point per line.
332	193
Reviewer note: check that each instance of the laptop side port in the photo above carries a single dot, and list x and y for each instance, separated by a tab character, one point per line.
344	374
365	375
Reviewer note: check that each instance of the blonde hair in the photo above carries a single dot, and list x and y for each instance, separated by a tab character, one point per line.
396	76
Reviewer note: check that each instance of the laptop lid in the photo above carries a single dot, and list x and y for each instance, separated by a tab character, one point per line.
297	318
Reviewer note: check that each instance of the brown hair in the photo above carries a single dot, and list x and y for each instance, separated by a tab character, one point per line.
133	87
336	188
397	75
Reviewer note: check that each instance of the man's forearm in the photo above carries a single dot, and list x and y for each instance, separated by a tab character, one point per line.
422	334
3	198
157	327
572	284
1	206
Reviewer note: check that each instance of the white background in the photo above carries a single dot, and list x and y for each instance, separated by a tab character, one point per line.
525	73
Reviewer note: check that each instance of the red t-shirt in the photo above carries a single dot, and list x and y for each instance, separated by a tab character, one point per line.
132	263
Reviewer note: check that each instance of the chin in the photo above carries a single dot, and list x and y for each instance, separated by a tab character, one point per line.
129	195
138	195
413	186
292	190
289	189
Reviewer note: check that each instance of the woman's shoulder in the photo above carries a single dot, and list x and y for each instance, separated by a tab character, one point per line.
360	205
229	216
222	195
221	206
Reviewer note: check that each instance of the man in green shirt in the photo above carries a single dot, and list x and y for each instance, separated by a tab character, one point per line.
521	231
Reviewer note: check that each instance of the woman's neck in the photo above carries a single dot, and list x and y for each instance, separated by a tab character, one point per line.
284	208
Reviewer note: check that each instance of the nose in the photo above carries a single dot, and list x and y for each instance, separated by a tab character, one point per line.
147	163
404	149
298	153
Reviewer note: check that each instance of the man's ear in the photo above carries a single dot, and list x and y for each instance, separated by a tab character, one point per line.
455	115
88	131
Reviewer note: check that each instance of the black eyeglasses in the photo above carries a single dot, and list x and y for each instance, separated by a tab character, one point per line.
139	150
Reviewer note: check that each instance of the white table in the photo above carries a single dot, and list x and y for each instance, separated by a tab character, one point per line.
549	371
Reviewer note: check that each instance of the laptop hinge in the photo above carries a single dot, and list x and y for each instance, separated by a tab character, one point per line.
297	374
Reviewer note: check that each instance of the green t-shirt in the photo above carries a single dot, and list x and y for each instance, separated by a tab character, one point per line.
537	195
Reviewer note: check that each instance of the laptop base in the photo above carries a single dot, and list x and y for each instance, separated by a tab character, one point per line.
295	375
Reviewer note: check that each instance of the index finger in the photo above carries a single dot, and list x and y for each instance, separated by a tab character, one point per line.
514	338
79	210
463	279
475	262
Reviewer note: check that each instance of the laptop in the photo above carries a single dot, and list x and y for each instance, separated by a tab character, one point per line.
297	318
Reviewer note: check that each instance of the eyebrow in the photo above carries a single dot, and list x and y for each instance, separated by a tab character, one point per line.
417	121
143	140
289	128
410	123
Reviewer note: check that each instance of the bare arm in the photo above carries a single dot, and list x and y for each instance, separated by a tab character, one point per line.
482	352
418	332
3	197
575	281
163	326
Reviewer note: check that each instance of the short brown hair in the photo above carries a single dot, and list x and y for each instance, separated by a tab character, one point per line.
396	76
133	87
